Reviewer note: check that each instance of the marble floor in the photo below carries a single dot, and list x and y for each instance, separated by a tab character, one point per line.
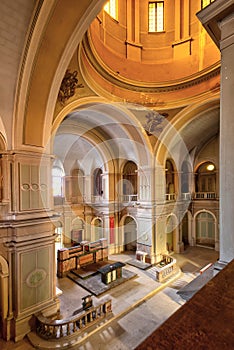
139	306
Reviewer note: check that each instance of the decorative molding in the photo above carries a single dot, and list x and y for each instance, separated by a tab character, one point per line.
36	278
154	121
143	87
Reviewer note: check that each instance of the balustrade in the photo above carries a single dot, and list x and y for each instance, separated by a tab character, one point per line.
129	198
55	329
205	195
170	196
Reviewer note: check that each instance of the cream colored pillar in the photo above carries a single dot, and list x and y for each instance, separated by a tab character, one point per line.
227	140
218	19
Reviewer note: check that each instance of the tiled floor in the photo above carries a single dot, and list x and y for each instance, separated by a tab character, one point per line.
149	311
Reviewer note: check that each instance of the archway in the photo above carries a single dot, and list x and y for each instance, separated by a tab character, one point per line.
185	230
205	183
171	232
205	229
130	181
97	229
77	231
130	234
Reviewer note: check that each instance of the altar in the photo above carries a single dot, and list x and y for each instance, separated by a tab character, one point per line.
111	272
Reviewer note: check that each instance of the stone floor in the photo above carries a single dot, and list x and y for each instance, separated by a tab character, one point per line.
205	322
139	306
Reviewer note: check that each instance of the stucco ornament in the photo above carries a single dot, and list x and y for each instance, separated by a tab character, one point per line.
36	278
68	86
154	122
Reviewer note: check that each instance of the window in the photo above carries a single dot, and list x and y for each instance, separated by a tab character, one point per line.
57	175
111	8
156	16
205	3
97	182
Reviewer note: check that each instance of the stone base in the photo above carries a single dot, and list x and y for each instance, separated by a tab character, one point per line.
24	325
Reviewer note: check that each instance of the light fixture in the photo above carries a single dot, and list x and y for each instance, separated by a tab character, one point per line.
210	167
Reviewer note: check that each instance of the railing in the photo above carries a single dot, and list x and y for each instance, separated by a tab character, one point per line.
165	268
205	195
97	198
170	196
129	198
186	196
56	329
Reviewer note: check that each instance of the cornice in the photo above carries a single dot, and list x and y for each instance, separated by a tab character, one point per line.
145	87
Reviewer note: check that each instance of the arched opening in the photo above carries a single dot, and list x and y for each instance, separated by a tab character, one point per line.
58	183
130	181
205	181
185	230
205	230
130	234
97	229
170	181
77	186
77	231
171	234
97	183
185	178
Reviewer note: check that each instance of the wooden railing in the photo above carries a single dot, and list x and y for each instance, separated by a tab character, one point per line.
56	329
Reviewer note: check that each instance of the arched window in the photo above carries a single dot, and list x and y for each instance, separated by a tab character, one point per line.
57	181
97	182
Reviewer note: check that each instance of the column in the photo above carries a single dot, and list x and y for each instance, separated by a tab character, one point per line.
133	30
182	44
227	140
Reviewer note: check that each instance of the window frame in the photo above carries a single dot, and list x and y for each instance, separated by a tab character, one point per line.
111	8
156	18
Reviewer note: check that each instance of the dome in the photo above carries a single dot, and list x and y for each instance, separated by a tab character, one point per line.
173	65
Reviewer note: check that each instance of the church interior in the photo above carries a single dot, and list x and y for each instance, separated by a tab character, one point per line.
116	137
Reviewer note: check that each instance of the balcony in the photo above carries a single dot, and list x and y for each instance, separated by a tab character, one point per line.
205	195
170	197
129	198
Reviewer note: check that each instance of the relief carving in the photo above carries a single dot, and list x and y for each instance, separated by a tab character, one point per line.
68	86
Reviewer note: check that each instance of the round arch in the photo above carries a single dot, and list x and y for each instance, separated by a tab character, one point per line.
205	229
38	98
97	229
128	226
172	232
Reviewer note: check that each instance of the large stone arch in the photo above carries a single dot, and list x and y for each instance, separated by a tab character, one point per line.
56	29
